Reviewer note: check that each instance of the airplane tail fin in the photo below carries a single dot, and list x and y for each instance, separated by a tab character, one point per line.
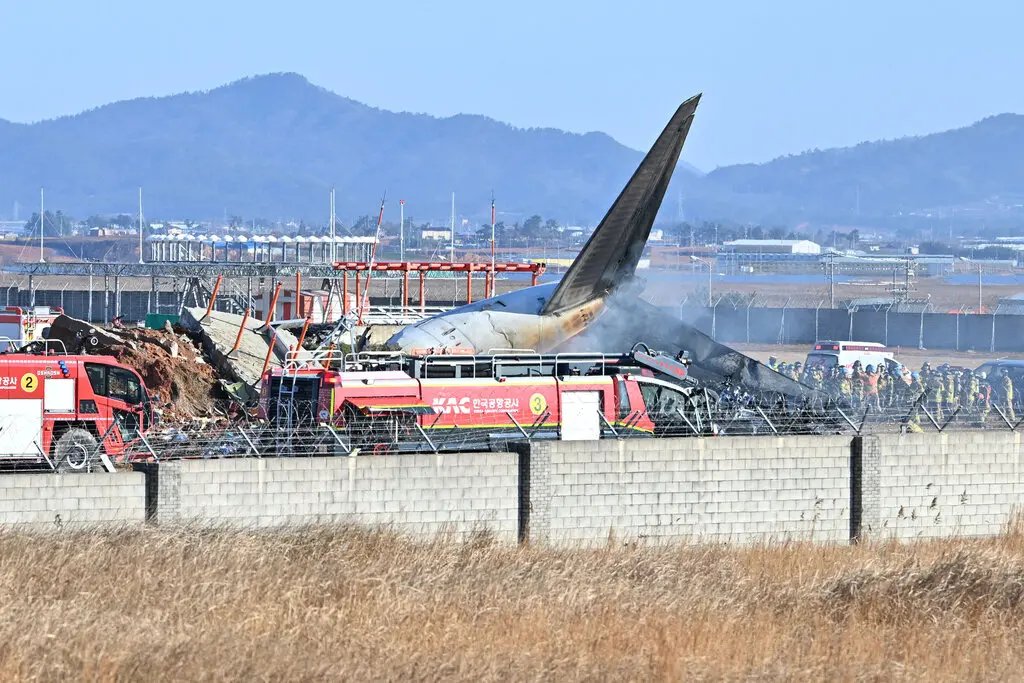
612	253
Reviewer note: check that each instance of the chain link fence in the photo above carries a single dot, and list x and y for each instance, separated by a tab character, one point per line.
705	415
739	319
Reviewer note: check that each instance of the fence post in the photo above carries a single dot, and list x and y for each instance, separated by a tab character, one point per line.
782	323
816	310
714	318
749	304
885	340
920	332
956	343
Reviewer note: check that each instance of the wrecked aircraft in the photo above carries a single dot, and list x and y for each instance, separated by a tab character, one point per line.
544	316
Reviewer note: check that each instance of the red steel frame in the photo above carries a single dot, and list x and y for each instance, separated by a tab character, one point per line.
424	267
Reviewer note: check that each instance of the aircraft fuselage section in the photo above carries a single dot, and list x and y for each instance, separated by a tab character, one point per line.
509	321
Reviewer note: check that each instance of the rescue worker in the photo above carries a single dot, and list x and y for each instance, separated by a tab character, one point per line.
844	385
951	394
915	391
871	387
1006	386
772	362
984	396
857	383
969	389
933	390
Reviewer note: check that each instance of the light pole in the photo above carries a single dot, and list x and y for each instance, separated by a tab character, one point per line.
979	288
141	253
42	226
707	263
401	230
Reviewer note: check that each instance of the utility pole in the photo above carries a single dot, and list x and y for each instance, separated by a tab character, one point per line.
42	225
832	279
334	246
401	230
141	252
979	288
710	272
492	234
451	255
706	262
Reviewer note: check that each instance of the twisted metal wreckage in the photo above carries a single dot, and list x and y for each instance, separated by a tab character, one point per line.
714	389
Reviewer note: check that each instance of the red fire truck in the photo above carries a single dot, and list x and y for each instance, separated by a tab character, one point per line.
74	412
396	402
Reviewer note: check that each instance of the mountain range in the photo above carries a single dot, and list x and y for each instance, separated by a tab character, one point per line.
970	174
272	146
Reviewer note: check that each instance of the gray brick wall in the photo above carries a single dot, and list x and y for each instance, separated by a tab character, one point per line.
731	489
742	489
57	501
953	483
418	494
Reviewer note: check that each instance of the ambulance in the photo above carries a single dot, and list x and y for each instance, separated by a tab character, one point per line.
829	354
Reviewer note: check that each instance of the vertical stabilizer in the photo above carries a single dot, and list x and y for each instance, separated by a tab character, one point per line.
612	253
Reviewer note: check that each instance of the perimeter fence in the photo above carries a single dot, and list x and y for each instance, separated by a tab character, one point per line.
733	319
393	435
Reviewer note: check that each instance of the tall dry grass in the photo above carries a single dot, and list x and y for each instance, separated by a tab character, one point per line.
148	604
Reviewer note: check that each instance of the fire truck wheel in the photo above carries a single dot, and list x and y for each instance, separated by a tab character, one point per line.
75	451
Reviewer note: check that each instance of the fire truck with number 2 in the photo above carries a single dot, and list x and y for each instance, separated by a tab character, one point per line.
74	413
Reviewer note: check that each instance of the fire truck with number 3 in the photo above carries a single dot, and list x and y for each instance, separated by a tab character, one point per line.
73	413
388	402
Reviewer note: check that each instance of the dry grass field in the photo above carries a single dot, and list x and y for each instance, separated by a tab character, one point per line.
313	604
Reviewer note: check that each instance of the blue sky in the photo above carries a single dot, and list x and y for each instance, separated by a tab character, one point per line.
777	77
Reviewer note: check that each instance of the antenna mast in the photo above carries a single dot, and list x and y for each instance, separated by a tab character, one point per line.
401	230
141	252
42	225
334	246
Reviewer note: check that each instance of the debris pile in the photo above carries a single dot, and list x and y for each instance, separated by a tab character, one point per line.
238	346
179	379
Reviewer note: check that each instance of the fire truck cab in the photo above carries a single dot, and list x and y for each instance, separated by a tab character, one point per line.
72	412
460	402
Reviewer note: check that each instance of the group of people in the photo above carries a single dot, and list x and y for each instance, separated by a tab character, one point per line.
893	387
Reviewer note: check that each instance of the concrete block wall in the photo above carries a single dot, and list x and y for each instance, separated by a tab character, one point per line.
59	501
419	494
741	489
738	489
947	484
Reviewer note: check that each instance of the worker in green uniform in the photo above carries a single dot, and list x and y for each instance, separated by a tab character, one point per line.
1006	385
950	394
914	393
984	396
933	394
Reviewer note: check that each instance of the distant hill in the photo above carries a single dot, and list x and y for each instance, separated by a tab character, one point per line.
272	146
973	172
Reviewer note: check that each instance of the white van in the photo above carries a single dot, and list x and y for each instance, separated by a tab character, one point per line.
828	354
